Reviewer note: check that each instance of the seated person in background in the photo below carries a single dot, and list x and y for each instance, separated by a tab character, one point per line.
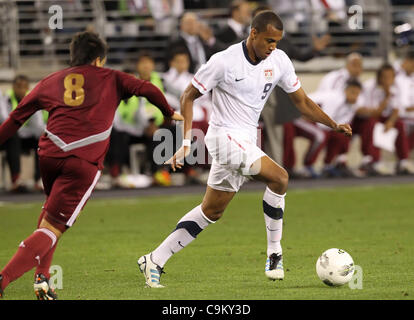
405	80
238	25
26	139
384	95
301	127
340	105
145	68
336	80
131	126
176	80
361	125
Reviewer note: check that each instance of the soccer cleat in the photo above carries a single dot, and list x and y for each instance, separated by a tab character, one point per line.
274	267
42	289
151	271
1	291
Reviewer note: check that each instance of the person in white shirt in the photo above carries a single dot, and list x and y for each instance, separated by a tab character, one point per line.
405	80
176	80
336	80
384	95
333	81
341	106
241	79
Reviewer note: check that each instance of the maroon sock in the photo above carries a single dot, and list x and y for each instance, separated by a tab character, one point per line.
45	262
29	254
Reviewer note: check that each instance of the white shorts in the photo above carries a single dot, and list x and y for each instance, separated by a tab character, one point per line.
233	154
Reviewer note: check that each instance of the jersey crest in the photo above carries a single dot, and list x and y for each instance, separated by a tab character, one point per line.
268	73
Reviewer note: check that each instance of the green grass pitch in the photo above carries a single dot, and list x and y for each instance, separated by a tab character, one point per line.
98	255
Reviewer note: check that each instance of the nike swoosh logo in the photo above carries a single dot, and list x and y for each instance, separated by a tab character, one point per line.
271	229
237	80
179	242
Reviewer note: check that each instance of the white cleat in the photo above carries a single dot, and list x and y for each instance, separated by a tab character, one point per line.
274	267
405	167
151	271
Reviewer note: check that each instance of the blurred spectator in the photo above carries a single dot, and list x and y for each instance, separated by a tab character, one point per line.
238	25
383	94
306	129
176	80
330	12
145	68
165	14
341	105
405	80
199	50
132	125
336	80
26	139
361	125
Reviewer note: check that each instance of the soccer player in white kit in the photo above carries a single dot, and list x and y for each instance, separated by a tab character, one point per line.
241	77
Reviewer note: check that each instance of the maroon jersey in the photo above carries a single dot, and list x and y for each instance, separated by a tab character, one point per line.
81	102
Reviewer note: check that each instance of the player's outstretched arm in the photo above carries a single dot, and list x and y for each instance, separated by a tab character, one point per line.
187	99
313	112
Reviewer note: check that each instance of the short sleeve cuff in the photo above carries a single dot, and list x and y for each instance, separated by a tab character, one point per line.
199	85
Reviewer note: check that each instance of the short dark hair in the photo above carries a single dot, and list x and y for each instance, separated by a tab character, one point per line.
262	19
20	77
385	66
178	50
353	82
144	54
85	47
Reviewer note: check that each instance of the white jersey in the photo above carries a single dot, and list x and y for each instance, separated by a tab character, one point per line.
334	104
406	84
242	87
334	80
372	96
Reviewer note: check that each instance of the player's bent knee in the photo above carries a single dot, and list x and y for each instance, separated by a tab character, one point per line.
56	228
279	183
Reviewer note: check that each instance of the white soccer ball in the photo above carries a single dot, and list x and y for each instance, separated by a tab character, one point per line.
335	267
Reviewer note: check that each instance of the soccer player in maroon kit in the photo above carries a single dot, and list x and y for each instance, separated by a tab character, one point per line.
81	101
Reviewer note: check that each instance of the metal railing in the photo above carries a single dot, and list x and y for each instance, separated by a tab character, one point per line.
28	43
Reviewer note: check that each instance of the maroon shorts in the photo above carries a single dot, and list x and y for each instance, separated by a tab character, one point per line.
68	184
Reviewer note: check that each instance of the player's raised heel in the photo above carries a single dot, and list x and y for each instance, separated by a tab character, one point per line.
42	289
151	271
274	267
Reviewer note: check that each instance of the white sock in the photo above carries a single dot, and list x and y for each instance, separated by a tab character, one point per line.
273	208
185	232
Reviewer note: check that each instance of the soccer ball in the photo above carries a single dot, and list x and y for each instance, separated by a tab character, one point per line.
335	267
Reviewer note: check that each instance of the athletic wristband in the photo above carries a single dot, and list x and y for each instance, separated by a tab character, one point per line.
186	143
